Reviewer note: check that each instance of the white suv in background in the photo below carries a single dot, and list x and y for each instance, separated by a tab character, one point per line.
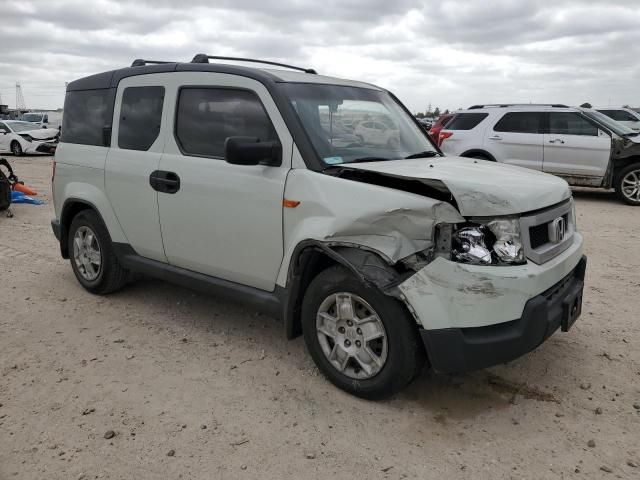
565	141
625	116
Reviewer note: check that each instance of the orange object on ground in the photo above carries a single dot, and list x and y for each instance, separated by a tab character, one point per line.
19	187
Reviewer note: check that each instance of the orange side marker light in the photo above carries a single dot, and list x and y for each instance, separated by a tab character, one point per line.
290	203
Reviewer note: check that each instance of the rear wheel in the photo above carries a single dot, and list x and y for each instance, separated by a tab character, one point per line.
362	340
16	148
627	184
93	260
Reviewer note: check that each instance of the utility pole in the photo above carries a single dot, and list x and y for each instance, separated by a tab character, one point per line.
20	104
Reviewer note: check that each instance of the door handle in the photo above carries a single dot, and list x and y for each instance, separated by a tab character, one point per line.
495	137
556	140
165	182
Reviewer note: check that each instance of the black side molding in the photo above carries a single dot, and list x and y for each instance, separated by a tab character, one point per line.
269	303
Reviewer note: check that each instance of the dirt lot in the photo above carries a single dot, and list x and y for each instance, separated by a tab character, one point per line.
198	387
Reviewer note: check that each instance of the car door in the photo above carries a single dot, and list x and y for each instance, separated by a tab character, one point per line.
5	135
225	220
137	141
517	139
575	146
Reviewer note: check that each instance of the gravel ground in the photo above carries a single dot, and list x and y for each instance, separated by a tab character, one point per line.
160	382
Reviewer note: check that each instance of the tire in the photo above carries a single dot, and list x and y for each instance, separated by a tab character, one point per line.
16	149
627	184
110	276
403	357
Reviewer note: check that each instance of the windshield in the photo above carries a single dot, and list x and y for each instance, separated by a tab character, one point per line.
21	126
351	124
611	124
32	117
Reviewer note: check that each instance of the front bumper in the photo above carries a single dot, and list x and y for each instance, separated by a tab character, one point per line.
47	147
463	349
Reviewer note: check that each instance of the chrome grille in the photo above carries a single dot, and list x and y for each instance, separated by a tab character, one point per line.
536	234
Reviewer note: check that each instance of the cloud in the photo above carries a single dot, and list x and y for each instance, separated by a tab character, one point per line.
450	53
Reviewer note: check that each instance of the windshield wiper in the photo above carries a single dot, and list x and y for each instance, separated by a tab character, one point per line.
425	154
368	159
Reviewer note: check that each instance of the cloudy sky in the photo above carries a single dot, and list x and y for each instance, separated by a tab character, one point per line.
450	53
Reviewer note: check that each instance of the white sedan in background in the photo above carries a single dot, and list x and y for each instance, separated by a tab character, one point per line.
24	137
377	133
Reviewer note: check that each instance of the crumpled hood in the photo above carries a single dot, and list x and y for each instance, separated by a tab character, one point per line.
42	133
480	187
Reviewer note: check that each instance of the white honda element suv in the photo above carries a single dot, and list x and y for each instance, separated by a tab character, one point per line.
384	255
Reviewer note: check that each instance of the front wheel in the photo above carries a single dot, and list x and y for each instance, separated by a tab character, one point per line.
627	184
363	341
16	149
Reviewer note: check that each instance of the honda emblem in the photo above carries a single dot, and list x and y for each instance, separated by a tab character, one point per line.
557	230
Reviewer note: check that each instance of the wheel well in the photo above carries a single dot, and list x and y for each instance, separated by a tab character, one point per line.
479	154
312	257
306	266
69	211
621	163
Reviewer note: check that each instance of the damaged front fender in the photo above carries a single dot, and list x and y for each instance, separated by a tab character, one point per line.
377	232
338	212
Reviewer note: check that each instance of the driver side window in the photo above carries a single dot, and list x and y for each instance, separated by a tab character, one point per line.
3	128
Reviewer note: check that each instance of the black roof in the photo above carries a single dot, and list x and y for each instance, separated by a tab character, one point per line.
112	78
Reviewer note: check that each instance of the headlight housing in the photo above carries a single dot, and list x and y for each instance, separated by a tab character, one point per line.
493	242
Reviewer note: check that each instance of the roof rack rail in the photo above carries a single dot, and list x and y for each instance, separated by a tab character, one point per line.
553	105
139	62
204	58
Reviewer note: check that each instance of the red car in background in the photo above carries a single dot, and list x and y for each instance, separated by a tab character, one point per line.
440	123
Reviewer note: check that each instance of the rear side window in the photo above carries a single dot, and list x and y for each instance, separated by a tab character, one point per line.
206	117
619	115
87	117
140	117
569	123
465	121
520	122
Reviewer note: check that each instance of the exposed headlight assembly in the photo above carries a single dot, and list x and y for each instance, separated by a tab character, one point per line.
495	242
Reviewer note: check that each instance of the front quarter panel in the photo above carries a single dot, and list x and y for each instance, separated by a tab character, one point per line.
340	212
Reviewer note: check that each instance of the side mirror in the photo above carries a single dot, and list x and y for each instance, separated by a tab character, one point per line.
251	151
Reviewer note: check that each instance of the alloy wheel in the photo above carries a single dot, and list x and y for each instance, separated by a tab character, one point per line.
631	185
86	253
352	336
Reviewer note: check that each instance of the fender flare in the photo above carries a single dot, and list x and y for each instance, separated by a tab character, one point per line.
477	151
365	264
67	213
